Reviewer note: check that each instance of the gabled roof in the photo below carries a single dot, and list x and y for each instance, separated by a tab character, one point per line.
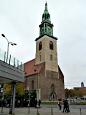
30	68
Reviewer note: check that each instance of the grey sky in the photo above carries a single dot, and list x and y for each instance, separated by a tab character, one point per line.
20	19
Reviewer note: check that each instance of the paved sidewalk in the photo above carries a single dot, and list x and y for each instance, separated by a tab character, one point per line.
43	111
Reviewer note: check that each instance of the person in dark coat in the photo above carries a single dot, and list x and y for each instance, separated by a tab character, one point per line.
68	110
39	102
66	106
35	102
59	105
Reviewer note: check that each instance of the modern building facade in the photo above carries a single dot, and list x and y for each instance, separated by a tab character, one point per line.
43	73
10	72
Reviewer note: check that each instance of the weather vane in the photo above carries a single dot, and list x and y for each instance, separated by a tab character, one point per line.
45	1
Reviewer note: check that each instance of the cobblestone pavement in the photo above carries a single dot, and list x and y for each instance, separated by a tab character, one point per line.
44	111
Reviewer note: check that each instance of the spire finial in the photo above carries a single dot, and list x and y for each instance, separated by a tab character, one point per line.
46	6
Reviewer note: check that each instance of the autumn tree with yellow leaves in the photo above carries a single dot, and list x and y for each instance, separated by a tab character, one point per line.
19	89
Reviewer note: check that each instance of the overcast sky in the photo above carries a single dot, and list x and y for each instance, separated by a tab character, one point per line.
20	19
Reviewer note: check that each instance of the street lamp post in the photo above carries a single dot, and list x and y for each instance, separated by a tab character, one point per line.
8	45
13	85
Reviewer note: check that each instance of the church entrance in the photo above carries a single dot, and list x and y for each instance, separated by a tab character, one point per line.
53	95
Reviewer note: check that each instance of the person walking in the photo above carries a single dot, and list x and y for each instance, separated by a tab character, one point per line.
59	105
66	106
39	102
35	103
68	110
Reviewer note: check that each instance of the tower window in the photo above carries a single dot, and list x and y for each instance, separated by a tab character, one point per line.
32	84
51	57
51	45
40	45
45	27
40	57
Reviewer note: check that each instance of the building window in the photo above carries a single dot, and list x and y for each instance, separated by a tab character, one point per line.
32	84
40	57
45	28
51	45
40	45
51	57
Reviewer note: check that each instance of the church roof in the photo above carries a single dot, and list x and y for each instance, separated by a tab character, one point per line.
31	69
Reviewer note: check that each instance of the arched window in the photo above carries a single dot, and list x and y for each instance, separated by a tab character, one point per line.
40	57
40	45
32	84
51	45
51	57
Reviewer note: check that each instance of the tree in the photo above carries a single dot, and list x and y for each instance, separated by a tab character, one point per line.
76	92
20	89
7	89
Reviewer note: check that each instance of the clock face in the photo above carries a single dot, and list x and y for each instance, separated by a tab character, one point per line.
49	30
46	29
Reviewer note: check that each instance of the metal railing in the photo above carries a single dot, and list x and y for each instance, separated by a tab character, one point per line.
11	60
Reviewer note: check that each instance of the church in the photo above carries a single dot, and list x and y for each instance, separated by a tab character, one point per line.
43	73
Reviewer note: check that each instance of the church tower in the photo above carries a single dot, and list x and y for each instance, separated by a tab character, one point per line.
46	44
43	73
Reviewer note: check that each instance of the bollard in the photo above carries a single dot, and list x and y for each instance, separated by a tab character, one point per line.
10	111
80	111
28	110
51	110
38	111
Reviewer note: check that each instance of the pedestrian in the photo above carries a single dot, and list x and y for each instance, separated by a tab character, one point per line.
35	103
68	110
2	105
66	106
39	102
59	105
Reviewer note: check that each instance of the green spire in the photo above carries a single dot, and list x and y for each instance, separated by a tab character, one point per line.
46	15
46	6
46	27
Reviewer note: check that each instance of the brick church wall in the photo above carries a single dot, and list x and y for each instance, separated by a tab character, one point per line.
43	81
46	82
